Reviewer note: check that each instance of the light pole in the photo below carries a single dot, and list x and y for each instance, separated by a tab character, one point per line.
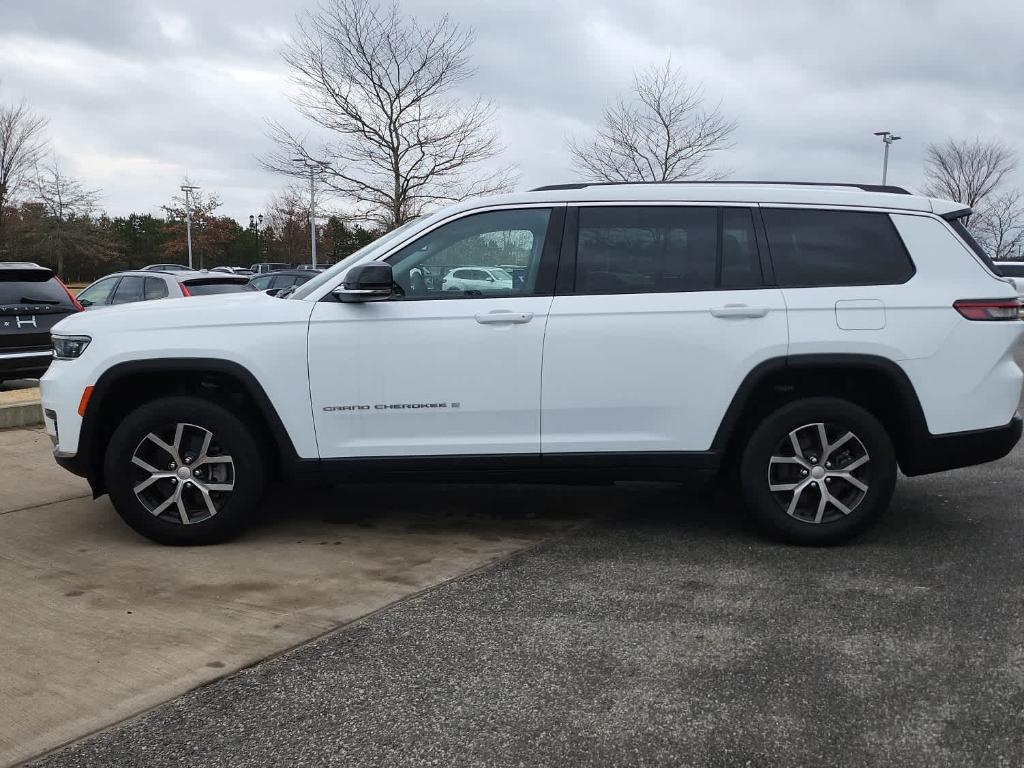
254	224
188	189
887	139
313	166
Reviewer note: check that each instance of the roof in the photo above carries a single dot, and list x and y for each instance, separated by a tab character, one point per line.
764	192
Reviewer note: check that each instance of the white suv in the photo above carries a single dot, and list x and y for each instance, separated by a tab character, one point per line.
810	338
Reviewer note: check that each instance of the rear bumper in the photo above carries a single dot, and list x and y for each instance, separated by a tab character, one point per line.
937	453
17	365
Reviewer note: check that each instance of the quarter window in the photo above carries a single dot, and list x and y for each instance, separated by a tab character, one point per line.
825	248
458	260
646	249
156	288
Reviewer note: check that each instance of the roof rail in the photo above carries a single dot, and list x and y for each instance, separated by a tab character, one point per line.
865	187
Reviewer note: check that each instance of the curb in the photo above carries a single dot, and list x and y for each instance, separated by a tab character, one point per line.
21	415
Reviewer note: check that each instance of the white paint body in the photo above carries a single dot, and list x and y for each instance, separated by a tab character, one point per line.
594	373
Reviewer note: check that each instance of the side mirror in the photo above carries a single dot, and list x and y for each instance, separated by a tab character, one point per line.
85	302
272	291
366	282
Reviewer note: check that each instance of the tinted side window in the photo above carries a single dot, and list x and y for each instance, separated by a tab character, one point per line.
818	248
646	249
155	288
128	290
261	283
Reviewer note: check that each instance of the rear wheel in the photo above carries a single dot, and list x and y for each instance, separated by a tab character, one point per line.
818	471
184	470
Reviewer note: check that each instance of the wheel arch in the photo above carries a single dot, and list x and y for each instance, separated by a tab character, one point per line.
125	386
875	383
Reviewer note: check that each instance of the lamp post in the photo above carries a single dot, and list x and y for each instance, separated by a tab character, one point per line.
887	139
254	224
313	166
188	189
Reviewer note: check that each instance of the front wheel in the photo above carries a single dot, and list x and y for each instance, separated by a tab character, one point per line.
184	470
818	470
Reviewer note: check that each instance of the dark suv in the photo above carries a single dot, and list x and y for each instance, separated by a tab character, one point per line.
32	300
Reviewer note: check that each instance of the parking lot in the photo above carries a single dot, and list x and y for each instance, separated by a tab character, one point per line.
626	625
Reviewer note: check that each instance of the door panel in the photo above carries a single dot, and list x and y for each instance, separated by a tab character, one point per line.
440	371
651	372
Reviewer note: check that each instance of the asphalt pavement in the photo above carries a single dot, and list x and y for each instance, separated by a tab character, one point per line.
665	633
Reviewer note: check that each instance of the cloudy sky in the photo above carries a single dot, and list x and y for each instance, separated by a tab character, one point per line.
140	91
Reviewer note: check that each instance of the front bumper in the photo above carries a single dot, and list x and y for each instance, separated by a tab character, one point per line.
938	453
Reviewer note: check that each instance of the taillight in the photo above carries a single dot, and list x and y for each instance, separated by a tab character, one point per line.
74	301
988	309
184	290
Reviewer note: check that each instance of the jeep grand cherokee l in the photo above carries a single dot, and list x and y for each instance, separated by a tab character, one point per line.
802	341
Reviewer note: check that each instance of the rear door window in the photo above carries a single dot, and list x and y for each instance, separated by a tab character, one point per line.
129	290
813	248
646	249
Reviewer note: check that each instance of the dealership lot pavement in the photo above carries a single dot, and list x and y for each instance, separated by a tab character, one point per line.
96	624
666	633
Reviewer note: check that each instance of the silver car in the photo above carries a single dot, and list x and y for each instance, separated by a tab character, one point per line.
146	285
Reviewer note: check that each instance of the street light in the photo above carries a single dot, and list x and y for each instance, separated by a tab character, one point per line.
188	189
313	166
255	222
887	139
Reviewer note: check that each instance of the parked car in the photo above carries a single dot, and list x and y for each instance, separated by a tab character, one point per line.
805	340
140	285
166	268
234	270
32	300
268	266
483	280
276	282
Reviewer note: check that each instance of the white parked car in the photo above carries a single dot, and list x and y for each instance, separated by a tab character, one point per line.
147	285
810	338
485	280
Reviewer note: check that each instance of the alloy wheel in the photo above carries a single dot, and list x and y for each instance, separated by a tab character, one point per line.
181	474
819	473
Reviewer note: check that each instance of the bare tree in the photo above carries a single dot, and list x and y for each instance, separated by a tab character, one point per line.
998	224
967	171
22	146
64	231
382	85
662	132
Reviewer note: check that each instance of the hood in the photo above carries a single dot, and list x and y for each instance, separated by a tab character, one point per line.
189	312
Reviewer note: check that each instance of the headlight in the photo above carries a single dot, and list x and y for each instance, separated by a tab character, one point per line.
69	347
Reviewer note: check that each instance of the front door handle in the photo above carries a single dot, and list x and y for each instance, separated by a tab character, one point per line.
503	316
739	310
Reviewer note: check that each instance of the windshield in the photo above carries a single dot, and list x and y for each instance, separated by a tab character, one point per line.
378	245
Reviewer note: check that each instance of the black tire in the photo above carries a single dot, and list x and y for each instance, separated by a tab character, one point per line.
235	459
759	471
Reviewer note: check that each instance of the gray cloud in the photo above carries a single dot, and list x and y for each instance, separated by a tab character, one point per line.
139	91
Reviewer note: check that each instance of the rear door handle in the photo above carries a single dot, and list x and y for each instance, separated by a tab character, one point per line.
739	310
503	316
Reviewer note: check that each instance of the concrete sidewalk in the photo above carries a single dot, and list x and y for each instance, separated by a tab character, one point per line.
98	624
